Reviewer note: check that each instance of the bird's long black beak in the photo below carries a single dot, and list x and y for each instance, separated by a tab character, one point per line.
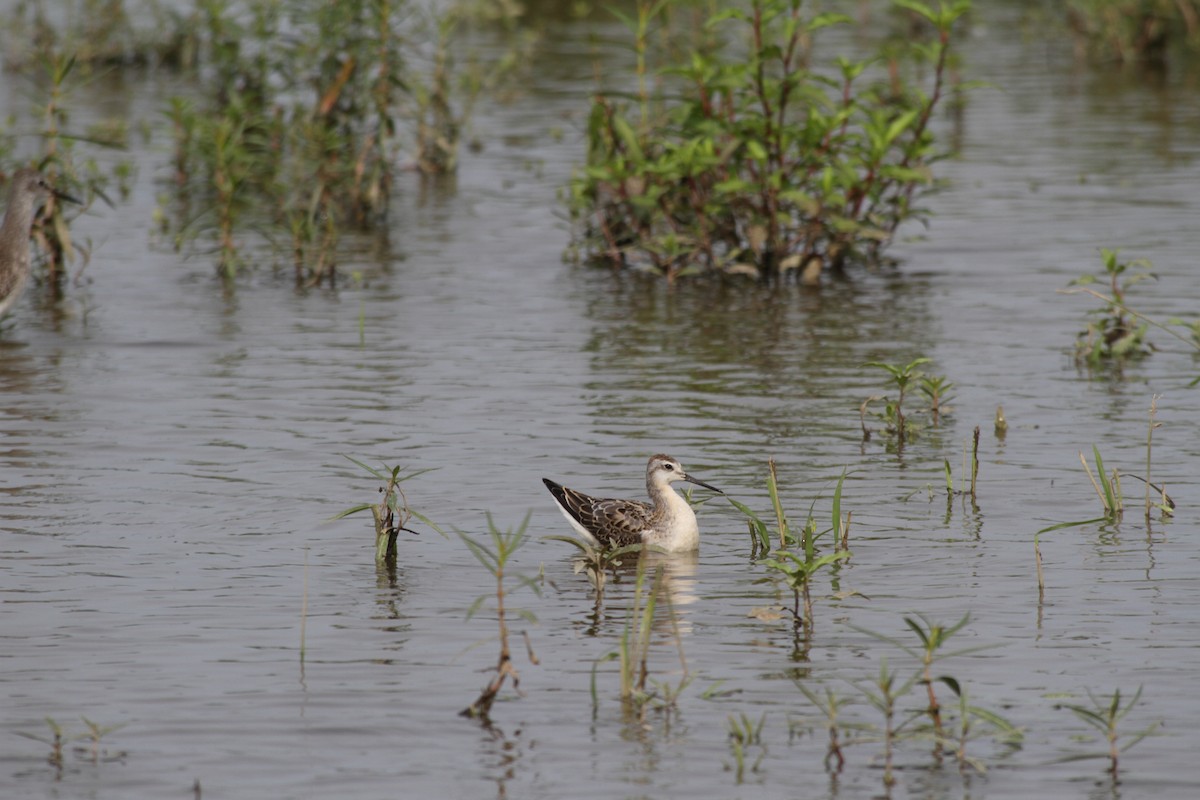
690	479
61	195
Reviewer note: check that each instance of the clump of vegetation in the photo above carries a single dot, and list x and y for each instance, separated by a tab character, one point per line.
63	159
797	570
749	161
639	691
311	108
936	389
598	561
392	513
1134	31
98	33
948	727
60	736
1115	332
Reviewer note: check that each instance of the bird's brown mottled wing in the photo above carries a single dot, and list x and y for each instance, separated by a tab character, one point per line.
617	522
612	522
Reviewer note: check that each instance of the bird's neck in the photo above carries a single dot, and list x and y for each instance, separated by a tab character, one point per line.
669	501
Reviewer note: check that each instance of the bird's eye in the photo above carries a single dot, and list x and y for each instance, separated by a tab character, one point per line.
668	467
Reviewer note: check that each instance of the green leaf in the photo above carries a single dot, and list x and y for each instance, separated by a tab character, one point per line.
382	476
349	511
825	19
627	135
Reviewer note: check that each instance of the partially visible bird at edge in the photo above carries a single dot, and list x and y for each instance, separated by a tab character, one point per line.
667	521
29	192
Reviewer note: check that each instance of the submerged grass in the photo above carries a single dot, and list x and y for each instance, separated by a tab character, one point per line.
1105	715
638	691
495	554
797	570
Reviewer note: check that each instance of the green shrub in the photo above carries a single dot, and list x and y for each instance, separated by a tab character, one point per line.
757	164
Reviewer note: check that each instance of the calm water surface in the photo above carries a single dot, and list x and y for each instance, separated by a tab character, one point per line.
170	456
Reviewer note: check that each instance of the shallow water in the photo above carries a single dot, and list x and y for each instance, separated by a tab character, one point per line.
171	455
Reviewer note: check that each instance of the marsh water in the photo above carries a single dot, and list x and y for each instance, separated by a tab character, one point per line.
171	453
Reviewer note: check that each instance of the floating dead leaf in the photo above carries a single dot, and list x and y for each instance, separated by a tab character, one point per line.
766	613
742	268
756	235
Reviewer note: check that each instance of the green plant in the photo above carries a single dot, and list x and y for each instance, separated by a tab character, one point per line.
1165	504
964	728
936	389
100	33
495	559
392	512
883	694
633	649
1104	715
903	378
932	637
310	109
1134	31
1108	488
830	705
1037	548
757	164
597	561
798	570
61	162
745	733
971	475
58	738
1114	334
95	733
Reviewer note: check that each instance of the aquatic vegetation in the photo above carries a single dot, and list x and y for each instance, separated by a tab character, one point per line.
1108	488
747	161
311	109
1134	31
963	729
633	650
949	726
830	705
1120	331
57	740
931	637
60	736
98	33
744	733
904	377
1104	715
392	513
69	170
798	570
95	734
1114	334
937	389
884	693
596	561
495	560
971	473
